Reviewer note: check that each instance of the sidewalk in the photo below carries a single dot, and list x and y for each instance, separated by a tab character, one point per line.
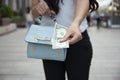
14	64
106	58
7	28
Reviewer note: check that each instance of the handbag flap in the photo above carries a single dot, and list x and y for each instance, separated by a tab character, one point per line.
40	34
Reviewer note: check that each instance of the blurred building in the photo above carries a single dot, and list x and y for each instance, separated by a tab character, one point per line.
115	17
18	5
111	9
104	3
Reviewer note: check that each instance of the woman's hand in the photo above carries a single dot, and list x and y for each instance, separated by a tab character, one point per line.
73	34
41	8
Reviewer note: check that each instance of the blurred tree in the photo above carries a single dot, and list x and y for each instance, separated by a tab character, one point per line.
5	11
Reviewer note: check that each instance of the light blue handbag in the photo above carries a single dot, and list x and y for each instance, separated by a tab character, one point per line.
39	44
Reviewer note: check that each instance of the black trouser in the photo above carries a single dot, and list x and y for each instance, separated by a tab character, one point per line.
76	65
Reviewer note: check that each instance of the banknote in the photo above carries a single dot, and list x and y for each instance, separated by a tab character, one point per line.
59	33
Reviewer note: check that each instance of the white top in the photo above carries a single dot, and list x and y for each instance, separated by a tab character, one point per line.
66	14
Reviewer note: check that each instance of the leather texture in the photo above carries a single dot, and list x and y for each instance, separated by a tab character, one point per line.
39	44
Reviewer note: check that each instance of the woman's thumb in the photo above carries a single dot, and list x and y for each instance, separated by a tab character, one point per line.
52	12
65	38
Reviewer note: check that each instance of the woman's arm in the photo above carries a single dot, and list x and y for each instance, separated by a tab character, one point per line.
81	10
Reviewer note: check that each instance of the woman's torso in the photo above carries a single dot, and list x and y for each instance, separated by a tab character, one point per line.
66	15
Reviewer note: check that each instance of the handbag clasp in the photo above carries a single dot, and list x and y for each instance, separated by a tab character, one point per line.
43	39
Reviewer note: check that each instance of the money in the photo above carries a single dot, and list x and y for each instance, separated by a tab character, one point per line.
59	33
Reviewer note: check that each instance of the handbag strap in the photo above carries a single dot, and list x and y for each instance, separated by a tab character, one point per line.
38	20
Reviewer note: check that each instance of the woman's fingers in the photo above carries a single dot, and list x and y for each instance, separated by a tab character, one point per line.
39	11
50	12
73	35
72	38
66	37
46	6
42	8
75	38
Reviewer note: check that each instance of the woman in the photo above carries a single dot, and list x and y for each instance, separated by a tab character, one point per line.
28	17
71	13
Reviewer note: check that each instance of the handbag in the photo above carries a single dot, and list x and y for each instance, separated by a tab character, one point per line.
39	44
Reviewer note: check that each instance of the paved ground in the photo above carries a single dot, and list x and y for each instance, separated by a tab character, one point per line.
14	64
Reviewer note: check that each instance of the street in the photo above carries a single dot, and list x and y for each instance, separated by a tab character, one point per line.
14	64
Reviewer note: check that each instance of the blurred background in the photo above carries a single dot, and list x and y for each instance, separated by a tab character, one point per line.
104	30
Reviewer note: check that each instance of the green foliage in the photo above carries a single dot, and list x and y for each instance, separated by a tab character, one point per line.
5	11
18	19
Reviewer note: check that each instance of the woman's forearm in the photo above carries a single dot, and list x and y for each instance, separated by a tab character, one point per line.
81	11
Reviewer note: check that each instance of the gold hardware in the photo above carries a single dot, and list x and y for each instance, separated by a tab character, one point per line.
43	39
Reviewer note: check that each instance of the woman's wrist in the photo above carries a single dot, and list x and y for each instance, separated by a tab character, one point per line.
75	23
